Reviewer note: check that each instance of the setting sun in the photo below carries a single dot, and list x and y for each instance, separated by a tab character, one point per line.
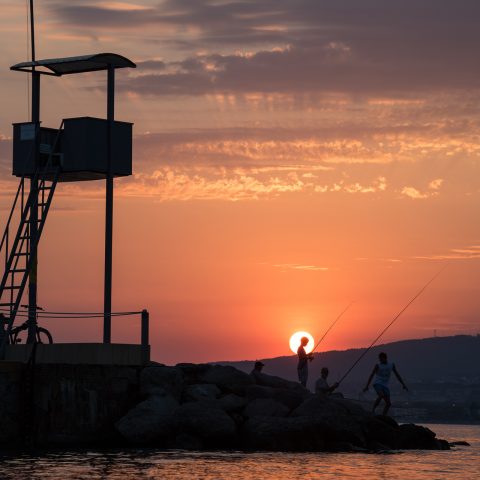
295	341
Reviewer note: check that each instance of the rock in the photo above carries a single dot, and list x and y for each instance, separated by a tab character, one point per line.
211	425
318	405
285	434
391	422
257	391
265	407
227	378
412	436
289	397
333	419
380	434
349	406
201	392
461	443
231	403
193	368
276	382
159	380
150	420
344	447
191	371
184	441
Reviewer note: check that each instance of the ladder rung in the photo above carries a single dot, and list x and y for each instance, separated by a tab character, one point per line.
25	237
10	287
18	270
7	304
21	254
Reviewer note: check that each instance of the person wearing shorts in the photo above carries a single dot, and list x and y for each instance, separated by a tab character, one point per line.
382	372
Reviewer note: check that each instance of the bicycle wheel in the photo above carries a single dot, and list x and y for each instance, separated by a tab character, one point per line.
43	335
14	335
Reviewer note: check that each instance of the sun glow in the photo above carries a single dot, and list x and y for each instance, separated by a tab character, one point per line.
295	341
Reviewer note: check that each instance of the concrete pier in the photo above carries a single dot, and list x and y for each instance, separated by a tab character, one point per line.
81	354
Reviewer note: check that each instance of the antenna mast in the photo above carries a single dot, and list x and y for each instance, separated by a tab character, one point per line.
32	280
32	32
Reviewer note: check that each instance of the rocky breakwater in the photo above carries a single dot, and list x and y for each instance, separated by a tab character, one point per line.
211	406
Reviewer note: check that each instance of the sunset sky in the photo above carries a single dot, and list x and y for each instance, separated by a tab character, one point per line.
290	156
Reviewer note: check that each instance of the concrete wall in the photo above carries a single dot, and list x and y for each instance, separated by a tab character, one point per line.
64	404
10	403
81	353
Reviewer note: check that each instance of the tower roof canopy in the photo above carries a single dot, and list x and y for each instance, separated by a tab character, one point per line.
81	64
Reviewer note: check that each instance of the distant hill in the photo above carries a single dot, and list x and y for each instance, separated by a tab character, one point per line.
440	360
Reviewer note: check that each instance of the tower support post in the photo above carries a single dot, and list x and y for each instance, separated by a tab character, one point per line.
107	299
33	227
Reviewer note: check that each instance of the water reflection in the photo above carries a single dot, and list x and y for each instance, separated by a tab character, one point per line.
152	464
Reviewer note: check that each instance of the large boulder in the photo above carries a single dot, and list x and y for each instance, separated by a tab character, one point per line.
161	380
380	432
212	425
318	405
192	371
412	436
227	378
332	418
291	398
231	403
265	407
152	419
276	382
285	434
205	391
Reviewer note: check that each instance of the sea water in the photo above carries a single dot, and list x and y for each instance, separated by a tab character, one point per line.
462	463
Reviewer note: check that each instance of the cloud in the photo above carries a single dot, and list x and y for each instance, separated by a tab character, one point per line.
361	48
297	266
433	188
471	252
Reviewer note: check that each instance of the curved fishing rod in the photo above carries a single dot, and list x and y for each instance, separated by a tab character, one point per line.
331	326
391	323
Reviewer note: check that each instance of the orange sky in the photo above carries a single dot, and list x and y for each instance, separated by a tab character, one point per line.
290	156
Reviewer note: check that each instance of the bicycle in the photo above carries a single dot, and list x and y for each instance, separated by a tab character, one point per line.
42	335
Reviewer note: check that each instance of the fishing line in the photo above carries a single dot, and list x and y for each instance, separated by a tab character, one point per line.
391	323
331	326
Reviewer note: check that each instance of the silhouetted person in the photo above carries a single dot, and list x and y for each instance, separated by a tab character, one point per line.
3	326
322	386
303	359
382	372
256	373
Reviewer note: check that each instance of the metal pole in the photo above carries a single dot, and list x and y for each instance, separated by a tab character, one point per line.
107	299
145	327
32	279
144	335
32	31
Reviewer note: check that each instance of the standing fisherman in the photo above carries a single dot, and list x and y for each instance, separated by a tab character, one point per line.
303	359
382	372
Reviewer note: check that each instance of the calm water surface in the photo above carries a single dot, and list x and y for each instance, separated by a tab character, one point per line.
462	463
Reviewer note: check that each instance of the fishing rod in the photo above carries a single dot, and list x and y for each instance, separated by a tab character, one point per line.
391	323
331	326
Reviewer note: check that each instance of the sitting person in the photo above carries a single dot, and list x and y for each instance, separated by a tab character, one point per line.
271	381
321	385
256	373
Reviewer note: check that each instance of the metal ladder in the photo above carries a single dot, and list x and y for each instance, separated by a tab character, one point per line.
18	259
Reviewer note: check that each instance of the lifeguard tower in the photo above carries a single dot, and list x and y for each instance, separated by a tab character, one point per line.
80	149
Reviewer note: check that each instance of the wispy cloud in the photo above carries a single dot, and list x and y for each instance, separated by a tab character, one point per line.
432	190
297	266
466	253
